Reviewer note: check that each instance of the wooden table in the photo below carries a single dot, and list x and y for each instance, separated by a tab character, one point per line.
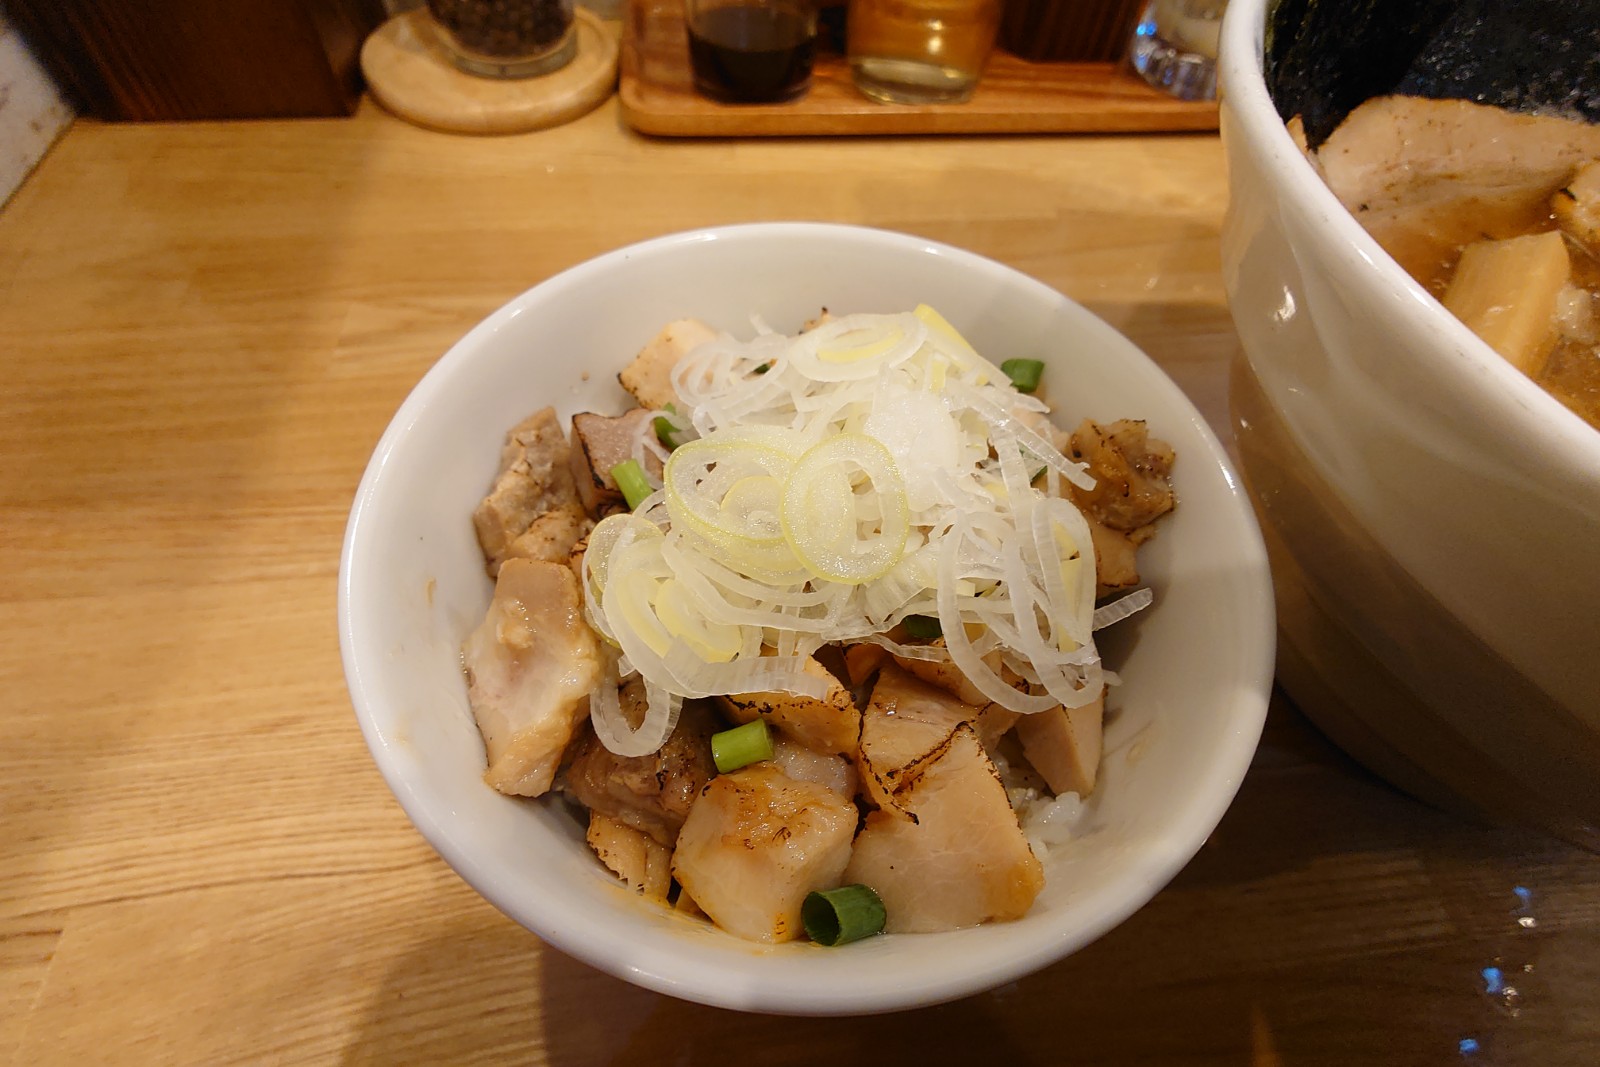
206	327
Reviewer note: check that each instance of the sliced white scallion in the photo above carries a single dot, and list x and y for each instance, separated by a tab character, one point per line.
869	470
823	521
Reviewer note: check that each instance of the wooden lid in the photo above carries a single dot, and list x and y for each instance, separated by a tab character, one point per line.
410	74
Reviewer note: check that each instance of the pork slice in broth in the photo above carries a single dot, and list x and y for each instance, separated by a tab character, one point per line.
1426	177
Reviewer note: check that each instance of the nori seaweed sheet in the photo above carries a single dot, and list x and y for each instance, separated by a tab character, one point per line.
1325	57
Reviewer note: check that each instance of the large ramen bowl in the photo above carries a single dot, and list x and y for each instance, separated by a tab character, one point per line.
1433	516
1196	667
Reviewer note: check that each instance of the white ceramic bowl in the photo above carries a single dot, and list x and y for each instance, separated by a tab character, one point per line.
1433	516
1197	666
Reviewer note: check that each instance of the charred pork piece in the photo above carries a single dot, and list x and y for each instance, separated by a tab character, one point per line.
756	842
551	538
599	443
947	852
632	855
1130	470
651	793
535	477
830	725
906	719
649	376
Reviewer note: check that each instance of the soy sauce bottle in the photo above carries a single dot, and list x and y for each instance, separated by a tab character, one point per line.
751	51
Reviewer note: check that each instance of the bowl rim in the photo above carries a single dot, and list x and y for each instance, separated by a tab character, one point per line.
1236	745
1560	434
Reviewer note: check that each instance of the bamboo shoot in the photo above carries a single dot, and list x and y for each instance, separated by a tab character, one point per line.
1505	291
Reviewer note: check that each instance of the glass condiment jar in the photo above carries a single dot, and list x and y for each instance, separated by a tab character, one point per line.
506	38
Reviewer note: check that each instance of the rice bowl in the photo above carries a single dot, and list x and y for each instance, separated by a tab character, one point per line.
1197	667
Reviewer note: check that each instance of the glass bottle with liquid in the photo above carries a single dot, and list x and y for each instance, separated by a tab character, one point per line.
751	51
920	51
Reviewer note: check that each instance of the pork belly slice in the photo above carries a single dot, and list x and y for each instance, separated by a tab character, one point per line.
1064	745
649	376
948	852
992	720
531	665
831	725
653	793
865	660
600	442
755	843
1404	152
535	477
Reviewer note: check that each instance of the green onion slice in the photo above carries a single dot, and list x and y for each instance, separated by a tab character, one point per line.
741	746
923	626
667	431
1024	373
630	478
839	916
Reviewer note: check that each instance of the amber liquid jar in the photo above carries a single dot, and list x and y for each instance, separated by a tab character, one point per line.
920	51
506	38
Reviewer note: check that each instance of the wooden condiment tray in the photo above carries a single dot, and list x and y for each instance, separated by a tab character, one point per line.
1015	96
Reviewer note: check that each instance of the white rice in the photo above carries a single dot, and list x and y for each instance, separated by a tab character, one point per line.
1047	820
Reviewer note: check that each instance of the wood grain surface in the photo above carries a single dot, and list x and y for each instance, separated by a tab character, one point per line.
1014	96
207	326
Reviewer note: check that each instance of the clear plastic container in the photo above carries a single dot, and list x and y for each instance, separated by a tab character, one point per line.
506	38
1174	46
